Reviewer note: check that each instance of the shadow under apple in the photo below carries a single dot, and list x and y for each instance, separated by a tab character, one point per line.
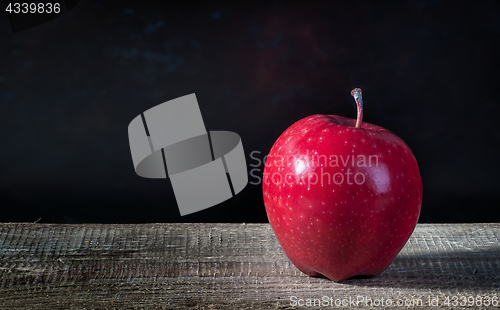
475	269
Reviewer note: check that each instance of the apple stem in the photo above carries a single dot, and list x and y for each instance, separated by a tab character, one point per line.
357	94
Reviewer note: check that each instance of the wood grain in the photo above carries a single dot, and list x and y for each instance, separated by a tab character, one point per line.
225	266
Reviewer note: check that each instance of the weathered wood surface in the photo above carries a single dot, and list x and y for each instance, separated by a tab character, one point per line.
226	266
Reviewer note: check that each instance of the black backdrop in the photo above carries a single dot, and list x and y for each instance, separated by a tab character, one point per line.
70	87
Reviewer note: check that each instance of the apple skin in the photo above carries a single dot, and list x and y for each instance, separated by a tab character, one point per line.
341	230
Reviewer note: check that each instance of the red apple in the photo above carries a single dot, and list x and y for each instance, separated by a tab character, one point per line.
342	196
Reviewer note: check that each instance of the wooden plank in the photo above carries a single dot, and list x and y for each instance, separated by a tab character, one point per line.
227	266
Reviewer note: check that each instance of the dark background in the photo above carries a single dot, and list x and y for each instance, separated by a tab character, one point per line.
70	87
